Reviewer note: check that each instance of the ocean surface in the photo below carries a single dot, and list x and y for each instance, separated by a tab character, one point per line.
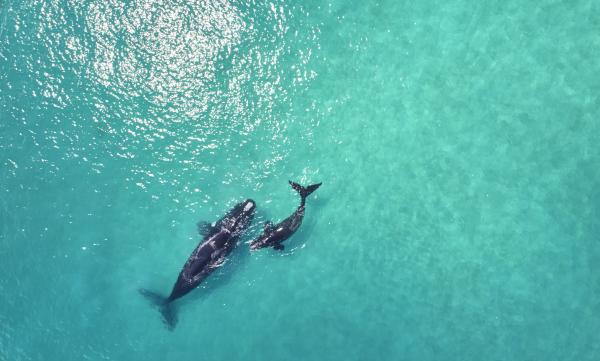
458	144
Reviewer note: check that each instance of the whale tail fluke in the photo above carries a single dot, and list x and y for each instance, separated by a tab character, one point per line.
304	191
166	309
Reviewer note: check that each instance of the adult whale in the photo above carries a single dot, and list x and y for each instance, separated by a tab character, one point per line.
274	235
219	240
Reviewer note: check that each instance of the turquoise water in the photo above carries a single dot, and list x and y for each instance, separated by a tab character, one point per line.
457	143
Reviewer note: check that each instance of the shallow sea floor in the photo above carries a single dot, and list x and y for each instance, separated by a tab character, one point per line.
457	143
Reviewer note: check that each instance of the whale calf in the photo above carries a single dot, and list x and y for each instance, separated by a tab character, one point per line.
274	235
218	241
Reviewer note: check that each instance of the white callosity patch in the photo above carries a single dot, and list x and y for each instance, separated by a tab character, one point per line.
248	206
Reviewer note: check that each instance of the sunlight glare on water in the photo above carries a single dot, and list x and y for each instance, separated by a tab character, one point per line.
457	144
168	83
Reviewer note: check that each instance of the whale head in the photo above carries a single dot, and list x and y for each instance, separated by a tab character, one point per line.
242	215
249	205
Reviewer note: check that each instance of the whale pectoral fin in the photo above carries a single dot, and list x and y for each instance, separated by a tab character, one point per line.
219	260
217	264
205	228
196	279
268	226
279	247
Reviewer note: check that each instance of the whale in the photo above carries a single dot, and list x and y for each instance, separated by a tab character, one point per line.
219	239
274	235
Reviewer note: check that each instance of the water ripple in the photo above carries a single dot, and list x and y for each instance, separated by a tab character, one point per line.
162	93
